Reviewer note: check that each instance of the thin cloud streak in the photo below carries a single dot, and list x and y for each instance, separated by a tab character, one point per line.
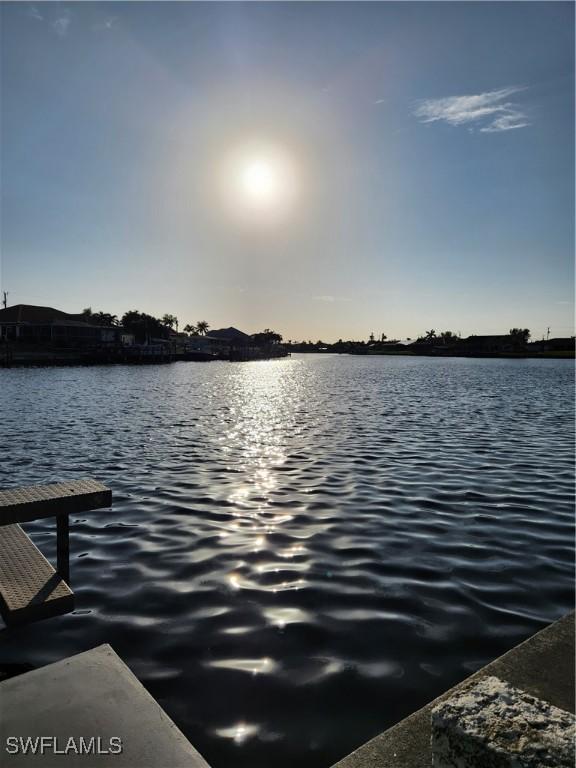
109	23
489	109
60	21
34	13
506	123
329	299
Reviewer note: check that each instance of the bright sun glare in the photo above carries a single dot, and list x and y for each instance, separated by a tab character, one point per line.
259	180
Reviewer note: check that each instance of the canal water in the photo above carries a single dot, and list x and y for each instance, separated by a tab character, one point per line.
303	551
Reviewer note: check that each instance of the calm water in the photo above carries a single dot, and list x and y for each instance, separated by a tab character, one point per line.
301	552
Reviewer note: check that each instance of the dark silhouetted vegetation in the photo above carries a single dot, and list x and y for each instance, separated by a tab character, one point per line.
171	321
144	327
100	318
521	335
266	337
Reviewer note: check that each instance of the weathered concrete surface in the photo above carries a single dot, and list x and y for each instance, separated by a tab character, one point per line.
542	666
494	725
93	694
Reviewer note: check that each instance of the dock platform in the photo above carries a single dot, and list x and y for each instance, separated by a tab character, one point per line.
90	702
30	588
31	502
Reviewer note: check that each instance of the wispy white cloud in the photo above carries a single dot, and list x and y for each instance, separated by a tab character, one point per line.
506	123
108	23
60	20
62	23
488	109
34	13
329	299
379	101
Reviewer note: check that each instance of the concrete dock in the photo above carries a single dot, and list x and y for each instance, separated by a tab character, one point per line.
543	666
88	710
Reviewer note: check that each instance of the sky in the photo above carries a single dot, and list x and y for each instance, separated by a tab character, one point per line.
324	169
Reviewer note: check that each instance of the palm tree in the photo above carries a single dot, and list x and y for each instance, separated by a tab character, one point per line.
99	318
202	327
430	334
170	321
105	318
190	329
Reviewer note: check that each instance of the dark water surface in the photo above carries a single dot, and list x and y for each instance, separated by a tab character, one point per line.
303	551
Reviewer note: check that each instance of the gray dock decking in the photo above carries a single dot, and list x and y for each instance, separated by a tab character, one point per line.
30	588
32	502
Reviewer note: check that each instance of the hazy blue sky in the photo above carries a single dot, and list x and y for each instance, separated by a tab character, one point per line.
414	160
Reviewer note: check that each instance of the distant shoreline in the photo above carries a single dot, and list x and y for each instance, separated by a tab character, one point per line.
59	361
567	355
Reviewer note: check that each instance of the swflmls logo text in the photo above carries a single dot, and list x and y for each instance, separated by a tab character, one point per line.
42	745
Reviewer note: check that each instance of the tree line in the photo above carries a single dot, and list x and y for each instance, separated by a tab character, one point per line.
145	326
520	335
431	338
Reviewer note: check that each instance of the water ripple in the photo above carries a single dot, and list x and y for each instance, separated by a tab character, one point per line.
303	551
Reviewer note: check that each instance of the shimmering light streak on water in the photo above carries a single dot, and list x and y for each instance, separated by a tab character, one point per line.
301	551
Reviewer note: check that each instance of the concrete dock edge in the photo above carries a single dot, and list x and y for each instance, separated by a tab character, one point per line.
543	666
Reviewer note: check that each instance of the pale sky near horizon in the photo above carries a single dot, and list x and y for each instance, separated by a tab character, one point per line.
324	169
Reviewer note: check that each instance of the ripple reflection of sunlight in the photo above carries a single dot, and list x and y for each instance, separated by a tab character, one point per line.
238	733
262	405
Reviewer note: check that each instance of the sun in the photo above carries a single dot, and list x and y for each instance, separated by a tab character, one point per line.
259	181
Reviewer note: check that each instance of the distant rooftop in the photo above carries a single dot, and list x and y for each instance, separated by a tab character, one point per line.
232	334
28	313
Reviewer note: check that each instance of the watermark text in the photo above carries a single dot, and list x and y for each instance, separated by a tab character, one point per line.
53	745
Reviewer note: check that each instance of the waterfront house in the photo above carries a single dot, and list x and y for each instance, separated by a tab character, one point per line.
481	346
237	345
227	342
491	345
232	336
559	345
27	324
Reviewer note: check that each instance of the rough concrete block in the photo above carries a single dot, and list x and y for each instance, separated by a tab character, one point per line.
494	725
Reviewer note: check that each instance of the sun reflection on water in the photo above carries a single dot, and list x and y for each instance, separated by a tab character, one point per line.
262	411
239	732
262	417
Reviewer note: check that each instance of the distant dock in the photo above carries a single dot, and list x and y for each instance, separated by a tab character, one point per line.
16	358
